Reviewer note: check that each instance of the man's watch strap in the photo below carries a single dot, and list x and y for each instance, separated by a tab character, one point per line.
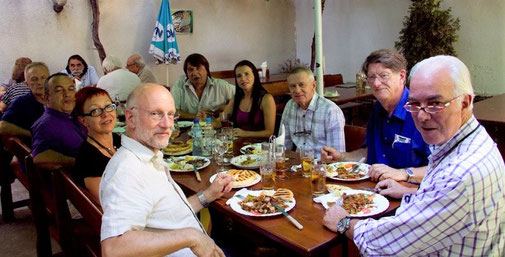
343	225
202	198
410	174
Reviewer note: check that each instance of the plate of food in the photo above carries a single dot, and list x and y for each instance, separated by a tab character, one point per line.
246	161
343	171
251	149
185	163
258	203
242	178
178	147
184	124
358	203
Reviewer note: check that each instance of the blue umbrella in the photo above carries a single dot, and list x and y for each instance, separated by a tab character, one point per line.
163	44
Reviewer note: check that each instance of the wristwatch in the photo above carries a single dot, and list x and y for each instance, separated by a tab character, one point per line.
343	225
410	173
202	199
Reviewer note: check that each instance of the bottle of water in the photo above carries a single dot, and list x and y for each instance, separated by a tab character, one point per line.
197	138
207	137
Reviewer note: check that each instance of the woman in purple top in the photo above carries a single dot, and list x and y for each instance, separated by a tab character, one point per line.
252	110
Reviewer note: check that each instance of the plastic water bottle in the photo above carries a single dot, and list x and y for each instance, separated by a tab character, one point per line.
197	138
207	137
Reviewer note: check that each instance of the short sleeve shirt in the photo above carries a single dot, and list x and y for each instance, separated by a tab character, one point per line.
217	92
15	91
89	78
395	141
24	111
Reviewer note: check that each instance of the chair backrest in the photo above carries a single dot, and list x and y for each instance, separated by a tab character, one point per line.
354	137
224	74
17	147
277	88
333	79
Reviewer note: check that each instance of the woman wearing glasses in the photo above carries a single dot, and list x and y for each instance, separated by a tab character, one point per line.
96	112
252	110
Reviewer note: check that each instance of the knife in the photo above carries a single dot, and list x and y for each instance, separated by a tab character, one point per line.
355	169
371	189
197	173
295	222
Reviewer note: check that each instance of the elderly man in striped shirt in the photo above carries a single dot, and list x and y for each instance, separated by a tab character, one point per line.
459	207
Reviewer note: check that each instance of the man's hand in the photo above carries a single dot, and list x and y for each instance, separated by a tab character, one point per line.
201	115
332	216
392	188
204	246
222	184
381	172
330	154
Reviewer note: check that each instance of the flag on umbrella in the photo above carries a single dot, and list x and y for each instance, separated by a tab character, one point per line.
163	45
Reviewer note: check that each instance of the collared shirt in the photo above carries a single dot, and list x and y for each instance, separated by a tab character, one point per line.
138	193
15	91
217	92
323	118
24	111
89	78
146	75
458	209
57	131
395	141
119	82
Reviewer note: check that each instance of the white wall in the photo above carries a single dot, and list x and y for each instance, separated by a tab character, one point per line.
225	31
354	28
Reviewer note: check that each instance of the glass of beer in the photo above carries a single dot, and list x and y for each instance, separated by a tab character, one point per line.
267	173
280	163
318	178
175	131
307	157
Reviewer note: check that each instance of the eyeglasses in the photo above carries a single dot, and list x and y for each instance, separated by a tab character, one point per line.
130	64
383	77
156	115
305	132
98	111
432	108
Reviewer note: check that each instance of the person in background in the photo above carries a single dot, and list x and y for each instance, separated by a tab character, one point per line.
15	86
458	209
393	146
136	64
145	212
311	121
116	81
198	91
77	68
25	110
252	110
56	135
96	112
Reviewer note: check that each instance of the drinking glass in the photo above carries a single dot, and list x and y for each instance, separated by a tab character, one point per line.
307	157
221	146
267	172
224	120
280	163
318	178
228	131
175	131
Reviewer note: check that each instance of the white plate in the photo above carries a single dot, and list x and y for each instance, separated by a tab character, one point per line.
380	203
236	207
257	147
363	169
188	167
258	179
185	124
237	160
331	93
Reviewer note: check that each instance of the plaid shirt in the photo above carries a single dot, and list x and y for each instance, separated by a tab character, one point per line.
457	211
323	118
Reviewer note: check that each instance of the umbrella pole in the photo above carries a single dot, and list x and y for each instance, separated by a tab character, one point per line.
166	69
319	46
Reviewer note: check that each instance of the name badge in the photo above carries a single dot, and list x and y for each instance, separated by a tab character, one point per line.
401	140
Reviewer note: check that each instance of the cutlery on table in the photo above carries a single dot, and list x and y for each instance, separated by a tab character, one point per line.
371	189
295	222
197	173
355	169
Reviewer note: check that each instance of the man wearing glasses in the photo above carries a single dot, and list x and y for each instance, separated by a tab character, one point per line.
57	135
145	212
393	146
459	206
311	121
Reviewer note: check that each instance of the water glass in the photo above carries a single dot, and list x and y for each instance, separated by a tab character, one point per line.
307	157
318	178
221	146
267	172
280	163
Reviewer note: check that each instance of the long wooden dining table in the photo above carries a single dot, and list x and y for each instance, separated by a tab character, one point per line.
313	240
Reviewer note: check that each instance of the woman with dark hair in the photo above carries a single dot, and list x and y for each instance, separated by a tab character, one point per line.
252	110
95	111
77	68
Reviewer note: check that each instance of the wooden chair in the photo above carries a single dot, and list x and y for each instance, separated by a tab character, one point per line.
224	74
332	80
77	237
354	137
277	88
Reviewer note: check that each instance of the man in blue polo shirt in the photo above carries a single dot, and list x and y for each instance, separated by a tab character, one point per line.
25	110
393	146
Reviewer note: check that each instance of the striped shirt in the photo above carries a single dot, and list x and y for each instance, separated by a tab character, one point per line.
457	211
15	91
323	119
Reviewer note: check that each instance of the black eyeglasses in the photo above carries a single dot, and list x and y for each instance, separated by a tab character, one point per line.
305	132
98	111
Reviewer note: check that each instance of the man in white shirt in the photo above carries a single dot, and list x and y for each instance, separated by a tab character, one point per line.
145	211
117	82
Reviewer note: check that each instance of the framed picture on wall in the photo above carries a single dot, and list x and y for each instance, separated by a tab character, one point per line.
183	21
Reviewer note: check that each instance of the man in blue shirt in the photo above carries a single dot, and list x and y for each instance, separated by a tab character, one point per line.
25	110
393	146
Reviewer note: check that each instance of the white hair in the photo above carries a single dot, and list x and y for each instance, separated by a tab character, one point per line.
111	63
458	72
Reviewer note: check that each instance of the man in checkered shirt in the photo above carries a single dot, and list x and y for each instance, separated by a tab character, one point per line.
459	207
